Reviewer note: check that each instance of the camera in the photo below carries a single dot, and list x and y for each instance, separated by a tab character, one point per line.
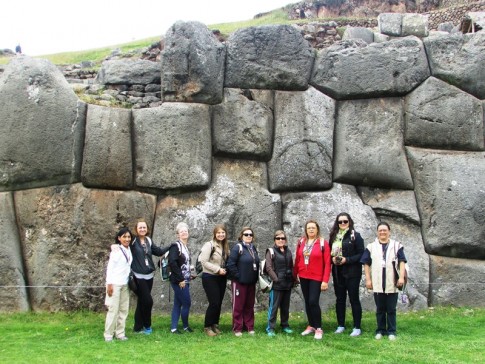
338	260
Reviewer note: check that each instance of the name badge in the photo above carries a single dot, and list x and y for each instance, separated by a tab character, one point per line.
254	267
146	262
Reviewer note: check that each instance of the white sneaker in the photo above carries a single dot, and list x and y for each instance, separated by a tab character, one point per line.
340	329
392	337
355	332
308	331
318	334
238	334
378	336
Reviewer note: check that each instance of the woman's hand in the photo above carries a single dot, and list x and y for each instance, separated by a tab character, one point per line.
182	284
109	290
324	286
368	284
222	272
400	282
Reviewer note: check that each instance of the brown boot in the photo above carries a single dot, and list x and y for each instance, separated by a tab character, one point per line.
215	328
209	331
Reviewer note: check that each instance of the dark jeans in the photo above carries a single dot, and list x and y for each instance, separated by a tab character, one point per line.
386	313
181	305
144	304
351	286
278	299
311	294
214	287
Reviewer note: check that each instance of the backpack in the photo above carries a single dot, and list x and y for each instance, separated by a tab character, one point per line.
198	264
165	270
265	281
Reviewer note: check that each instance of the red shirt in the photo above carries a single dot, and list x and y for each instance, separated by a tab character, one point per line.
319	264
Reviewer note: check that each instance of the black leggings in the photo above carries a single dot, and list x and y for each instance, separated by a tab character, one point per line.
351	286
311	293
214	287
144	305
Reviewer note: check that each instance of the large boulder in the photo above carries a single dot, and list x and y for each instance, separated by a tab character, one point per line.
451	201
361	33
275	57
303	141
415	24
66	233
459	59
442	116
13	292
390	24
238	197
324	207
369	144
192	64
353	69
172	147
107	159
128	72
42	123
243	124
457	282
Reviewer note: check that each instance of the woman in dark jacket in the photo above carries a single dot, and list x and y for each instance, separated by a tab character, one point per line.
243	267
279	266
347	247
142	250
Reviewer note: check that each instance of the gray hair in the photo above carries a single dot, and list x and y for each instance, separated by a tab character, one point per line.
180	226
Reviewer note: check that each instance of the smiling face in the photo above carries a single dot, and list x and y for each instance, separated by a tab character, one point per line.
247	236
220	235
280	240
125	239
183	234
141	229
343	222
383	233
311	230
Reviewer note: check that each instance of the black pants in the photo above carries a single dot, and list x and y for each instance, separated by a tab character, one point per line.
278	299
144	305
386	313
311	293
342	286
215	288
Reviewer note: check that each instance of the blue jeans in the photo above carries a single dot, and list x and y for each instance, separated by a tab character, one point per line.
386	313
181	305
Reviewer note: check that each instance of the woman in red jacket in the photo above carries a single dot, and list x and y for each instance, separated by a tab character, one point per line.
312	269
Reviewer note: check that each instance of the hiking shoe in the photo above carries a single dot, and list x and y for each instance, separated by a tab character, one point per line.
378	336
209	331
216	329
147	330
238	333
308	331
176	332
392	337
355	332
188	329
340	330
271	333
287	330
318	334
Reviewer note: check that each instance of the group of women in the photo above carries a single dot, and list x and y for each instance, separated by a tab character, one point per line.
342	256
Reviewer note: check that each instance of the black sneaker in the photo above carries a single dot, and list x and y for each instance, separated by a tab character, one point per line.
176	332
188	329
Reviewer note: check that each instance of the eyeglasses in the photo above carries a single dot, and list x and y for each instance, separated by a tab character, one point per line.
280	238
248	234
340	222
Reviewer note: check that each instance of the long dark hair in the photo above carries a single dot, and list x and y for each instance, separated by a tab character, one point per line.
122	232
335	228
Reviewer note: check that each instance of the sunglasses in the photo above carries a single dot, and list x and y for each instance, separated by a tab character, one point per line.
248	234
279	238
340	222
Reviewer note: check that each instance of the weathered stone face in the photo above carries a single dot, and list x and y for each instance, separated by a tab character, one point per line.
192	64
107	161
42	124
451	201
274	57
172	147
442	116
369	147
459	59
243	124
66	233
303	141
128	72
352	69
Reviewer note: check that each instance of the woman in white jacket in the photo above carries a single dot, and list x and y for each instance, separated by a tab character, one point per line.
117	293
379	258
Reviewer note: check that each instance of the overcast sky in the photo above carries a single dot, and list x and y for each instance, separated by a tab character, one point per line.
44	27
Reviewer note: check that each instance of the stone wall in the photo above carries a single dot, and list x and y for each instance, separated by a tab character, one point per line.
262	130
454	13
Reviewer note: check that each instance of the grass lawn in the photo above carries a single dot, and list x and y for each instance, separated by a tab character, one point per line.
440	335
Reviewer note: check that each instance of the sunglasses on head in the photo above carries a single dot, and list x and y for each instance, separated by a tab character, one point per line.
343	222
248	234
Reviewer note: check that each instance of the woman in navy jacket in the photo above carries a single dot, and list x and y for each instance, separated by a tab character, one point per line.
347	247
